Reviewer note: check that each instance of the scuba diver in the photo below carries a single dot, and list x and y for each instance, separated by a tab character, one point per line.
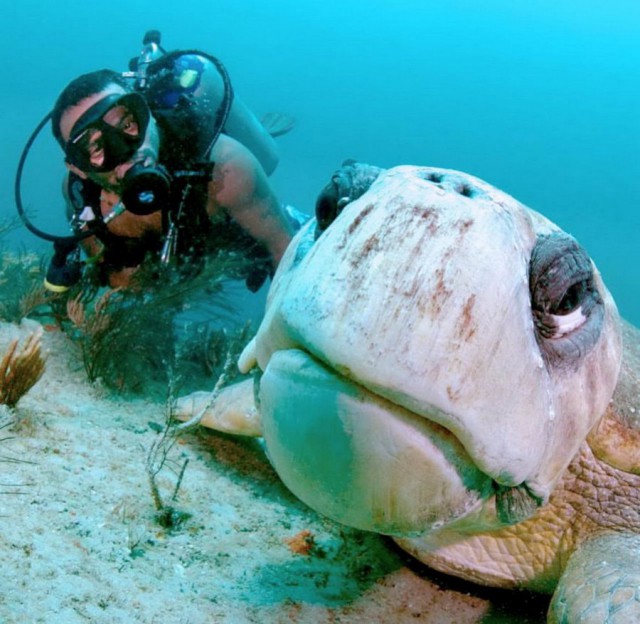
163	161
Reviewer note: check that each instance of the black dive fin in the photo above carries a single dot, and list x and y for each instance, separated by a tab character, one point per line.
277	124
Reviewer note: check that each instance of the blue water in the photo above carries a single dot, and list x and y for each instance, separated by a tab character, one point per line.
539	98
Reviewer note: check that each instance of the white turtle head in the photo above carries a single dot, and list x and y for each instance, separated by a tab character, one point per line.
439	352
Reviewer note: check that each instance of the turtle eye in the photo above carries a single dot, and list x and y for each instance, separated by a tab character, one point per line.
566	315
566	305
572	298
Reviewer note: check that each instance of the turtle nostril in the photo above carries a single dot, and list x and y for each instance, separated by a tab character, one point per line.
466	190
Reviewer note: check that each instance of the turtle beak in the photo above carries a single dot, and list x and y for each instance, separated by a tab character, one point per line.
359	459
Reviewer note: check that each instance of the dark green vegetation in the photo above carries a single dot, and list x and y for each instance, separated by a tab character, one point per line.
166	328
163	329
21	275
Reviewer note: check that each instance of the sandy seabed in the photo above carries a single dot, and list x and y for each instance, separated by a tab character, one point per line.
81	541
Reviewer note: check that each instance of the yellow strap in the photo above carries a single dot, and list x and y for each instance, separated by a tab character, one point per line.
56	288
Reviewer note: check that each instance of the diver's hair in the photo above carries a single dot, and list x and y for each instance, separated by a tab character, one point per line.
79	89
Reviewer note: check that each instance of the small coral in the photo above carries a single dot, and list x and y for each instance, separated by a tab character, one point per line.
21	368
302	543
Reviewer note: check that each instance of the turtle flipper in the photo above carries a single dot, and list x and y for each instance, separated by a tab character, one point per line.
601	584
232	410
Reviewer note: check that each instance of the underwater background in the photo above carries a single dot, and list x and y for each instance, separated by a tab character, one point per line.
538	98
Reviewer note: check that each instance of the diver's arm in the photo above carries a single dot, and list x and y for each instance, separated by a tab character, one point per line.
241	188
91	246
93	249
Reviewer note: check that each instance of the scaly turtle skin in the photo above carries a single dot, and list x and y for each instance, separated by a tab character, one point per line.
438	365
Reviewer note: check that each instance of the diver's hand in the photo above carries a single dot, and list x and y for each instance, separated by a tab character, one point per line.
347	184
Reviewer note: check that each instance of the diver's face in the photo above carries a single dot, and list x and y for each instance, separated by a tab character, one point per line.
104	141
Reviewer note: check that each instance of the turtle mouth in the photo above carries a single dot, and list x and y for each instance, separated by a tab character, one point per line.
365	461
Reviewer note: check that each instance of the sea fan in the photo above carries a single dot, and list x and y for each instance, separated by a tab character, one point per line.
21	367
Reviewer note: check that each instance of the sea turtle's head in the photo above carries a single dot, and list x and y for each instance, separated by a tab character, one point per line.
439	352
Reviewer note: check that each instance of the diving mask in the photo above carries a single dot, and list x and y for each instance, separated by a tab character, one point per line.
109	133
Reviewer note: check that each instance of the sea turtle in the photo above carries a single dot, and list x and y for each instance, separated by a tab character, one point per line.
437	364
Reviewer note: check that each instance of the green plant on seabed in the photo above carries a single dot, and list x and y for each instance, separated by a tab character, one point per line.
21	275
158	458
7	488
129	339
159	455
